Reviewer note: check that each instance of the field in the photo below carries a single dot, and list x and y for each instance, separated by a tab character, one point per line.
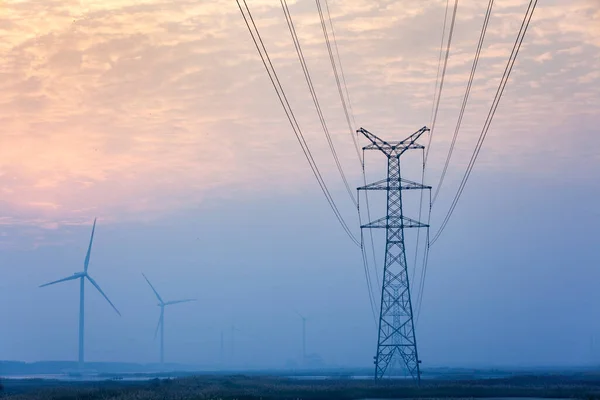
267	388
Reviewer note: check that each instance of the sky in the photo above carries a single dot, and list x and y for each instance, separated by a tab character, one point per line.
159	119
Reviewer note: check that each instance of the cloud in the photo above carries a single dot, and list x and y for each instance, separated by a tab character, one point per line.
544	57
126	108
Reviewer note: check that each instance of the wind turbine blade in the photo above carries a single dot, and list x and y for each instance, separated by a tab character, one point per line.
168	303
160	319
154	290
93	282
87	256
68	278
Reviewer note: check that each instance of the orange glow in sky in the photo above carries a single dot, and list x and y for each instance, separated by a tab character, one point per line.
129	107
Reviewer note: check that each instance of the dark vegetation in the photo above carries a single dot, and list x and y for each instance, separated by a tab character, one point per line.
58	367
267	388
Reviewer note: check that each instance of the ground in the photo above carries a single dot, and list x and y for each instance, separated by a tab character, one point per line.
266	388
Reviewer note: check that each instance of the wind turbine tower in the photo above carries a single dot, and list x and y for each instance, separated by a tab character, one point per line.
82	276
161	320
396	336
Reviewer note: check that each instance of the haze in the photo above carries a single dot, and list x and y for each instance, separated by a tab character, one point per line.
160	120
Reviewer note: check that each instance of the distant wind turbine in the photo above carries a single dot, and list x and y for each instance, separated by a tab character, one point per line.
161	320
82	276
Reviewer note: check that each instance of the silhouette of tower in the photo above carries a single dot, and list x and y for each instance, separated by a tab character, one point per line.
396	336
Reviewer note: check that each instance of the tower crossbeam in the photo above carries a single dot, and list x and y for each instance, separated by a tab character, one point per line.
387	184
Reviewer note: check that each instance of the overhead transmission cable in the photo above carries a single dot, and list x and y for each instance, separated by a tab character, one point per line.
437	77
372	300
264	55
503	81
424	268
337	51
466	96
345	108
350	128
311	88
437	95
337	78
435	89
414	271
313	93
441	88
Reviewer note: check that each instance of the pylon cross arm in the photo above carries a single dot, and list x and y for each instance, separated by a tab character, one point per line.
394	184
394	223
393	149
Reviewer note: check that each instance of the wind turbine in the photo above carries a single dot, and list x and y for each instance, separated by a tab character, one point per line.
161	320
303	336
82	276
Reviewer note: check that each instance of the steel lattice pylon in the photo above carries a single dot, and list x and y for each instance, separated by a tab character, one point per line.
396	337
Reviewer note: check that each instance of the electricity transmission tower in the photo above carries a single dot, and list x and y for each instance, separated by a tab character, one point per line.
396	337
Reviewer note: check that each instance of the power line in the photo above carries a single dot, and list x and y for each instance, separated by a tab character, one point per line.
434	116
370	232
291	117
313	93
503	81
434	110
337	78
362	247
480	142
372	300
333	67
337	51
437	106
420	215
437	77
424	266
423	276
466	96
